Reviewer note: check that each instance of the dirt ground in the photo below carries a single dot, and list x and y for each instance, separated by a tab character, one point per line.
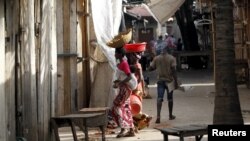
194	106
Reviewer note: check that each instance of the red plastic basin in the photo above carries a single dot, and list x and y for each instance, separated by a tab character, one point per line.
136	47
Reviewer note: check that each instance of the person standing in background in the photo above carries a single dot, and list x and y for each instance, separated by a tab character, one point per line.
160	44
179	44
148	54
170	43
152	46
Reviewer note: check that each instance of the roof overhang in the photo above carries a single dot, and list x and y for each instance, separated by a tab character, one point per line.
162	10
140	11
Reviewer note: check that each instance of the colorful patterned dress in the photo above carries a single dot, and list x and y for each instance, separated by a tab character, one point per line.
120	113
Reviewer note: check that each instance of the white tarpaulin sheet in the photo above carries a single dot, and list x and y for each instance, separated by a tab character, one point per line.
164	9
106	18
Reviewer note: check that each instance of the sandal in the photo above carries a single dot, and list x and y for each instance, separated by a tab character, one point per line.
172	117
121	134
129	134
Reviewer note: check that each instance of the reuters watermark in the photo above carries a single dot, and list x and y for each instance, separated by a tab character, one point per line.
226	132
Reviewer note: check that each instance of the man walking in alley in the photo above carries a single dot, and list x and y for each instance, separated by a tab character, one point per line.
165	65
